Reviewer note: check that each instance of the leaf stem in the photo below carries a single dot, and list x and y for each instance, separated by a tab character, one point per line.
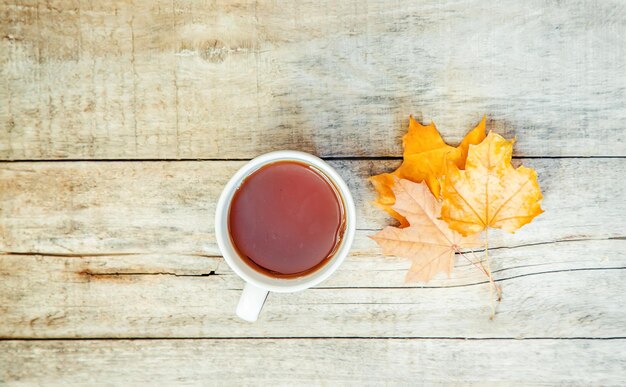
478	265
492	282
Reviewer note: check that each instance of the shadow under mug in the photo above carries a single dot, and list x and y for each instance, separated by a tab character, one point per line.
257	284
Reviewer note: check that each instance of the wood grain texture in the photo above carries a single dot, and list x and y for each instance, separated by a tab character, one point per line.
94	246
551	288
314	362
187	79
168	207
95	253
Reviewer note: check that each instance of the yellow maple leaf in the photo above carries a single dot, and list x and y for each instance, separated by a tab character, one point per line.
428	241
425	157
474	137
490	192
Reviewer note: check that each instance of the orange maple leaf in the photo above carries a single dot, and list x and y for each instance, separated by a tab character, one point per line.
383	183
425	157
428	241
490	192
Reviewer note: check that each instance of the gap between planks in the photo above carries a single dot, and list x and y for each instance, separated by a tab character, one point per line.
319	338
213	273
332	158
126	254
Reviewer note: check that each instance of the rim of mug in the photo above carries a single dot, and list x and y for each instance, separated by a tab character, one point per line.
263	281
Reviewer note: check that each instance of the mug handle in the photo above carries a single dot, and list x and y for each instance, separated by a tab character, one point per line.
251	302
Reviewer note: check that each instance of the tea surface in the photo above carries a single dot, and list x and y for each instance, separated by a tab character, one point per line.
286	219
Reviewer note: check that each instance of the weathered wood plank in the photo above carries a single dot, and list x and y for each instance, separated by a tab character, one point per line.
314	362
168	207
182	79
551	288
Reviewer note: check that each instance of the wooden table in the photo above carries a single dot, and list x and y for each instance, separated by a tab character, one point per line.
120	123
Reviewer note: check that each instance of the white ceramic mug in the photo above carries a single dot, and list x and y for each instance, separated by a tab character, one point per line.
257	284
